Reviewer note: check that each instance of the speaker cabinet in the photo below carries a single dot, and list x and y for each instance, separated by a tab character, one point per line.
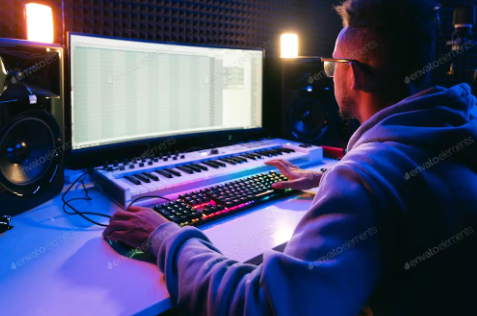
309	112
31	125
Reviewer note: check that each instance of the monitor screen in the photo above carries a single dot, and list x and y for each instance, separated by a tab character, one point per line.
126	90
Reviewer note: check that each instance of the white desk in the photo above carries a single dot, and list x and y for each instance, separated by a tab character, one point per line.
54	264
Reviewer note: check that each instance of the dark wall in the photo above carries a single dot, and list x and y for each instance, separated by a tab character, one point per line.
236	23
462	62
239	23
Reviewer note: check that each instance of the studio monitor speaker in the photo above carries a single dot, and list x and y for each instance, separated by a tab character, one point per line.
32	148
309	112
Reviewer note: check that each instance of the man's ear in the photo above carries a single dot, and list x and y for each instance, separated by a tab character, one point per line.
358	76
362	79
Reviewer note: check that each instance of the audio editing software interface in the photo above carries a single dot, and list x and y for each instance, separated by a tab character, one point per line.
125	90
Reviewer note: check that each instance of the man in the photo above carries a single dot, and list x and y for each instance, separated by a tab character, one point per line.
392	224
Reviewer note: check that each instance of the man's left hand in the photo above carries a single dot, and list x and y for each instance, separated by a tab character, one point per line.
134	226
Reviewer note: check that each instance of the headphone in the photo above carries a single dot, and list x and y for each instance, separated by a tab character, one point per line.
5	223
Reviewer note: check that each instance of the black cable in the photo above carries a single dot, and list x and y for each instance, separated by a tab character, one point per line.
87	198
148	197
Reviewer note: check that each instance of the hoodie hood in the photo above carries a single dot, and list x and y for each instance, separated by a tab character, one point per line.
435	119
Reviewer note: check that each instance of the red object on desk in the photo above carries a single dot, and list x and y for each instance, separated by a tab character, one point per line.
333	152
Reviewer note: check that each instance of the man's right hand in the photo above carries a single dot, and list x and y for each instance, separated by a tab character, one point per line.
299	179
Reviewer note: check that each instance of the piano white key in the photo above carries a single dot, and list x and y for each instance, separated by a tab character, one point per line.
126	185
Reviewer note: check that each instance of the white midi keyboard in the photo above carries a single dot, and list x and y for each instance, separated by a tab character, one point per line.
174	174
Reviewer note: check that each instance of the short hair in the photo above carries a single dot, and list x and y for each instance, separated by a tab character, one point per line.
403	33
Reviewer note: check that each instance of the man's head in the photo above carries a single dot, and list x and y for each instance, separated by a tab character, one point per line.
389	40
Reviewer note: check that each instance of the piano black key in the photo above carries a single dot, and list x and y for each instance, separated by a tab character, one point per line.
266	154
142	178
221	164
228	161
276	151
211	164
284	150
191	166
185	169
151	176
243	159
164	173
176	173
255	155
133	180
272	152
234	159
288	149
200	167
240	159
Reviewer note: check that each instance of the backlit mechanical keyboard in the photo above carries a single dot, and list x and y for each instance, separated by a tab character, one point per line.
200	207
171	175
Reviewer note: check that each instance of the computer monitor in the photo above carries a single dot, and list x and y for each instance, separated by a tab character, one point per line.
124	90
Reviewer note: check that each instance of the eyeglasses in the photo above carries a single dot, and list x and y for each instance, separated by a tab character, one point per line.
330	65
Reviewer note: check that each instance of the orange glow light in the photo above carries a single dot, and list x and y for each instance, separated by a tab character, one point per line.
39	23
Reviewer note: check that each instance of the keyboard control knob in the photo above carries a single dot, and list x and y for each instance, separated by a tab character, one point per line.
214	152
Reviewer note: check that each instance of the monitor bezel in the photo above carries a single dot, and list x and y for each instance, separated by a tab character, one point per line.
75	158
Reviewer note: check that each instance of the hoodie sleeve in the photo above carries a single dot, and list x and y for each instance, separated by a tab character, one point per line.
329	267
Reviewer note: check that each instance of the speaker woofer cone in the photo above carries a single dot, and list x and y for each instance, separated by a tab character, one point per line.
30	151
308	119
